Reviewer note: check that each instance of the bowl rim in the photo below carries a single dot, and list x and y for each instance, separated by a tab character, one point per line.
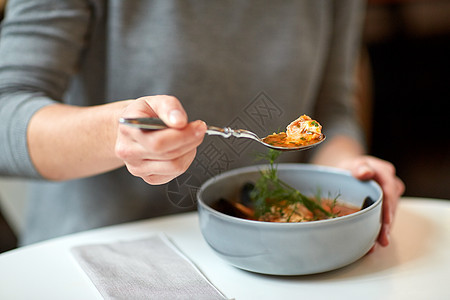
287	166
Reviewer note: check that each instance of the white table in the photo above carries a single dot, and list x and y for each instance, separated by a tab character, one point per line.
415	266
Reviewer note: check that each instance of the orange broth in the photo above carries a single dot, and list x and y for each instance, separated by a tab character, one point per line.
281	140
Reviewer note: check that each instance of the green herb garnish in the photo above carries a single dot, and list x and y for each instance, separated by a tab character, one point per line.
270	190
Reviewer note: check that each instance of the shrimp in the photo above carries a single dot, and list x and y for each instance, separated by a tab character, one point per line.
304	129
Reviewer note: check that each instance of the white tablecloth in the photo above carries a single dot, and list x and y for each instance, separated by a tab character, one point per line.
415	266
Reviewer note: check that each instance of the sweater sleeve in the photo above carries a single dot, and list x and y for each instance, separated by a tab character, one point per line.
335	106
41	44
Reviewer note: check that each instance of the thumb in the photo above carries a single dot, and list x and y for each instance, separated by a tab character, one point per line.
168	109
175	118
364	171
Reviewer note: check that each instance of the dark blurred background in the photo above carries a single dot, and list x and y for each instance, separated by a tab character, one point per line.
404	91
408	58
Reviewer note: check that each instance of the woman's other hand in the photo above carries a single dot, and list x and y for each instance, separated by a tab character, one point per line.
367	167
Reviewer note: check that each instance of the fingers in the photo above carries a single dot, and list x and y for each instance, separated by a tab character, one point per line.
393	188
384	235
157	172
161	144
159	156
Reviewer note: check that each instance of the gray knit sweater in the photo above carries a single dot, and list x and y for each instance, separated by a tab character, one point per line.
247	64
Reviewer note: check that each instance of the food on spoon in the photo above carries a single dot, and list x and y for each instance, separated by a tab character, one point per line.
303	131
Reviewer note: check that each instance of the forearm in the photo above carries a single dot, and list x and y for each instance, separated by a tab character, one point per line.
337	150
67	142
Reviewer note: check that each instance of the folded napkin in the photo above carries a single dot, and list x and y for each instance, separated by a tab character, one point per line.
151	268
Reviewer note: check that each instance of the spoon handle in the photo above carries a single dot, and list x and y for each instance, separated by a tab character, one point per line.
226	132
158	124
144	123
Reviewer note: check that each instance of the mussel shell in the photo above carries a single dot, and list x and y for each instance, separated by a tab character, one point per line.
245	197
229	208
367	202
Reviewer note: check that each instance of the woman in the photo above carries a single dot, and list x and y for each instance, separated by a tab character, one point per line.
65	65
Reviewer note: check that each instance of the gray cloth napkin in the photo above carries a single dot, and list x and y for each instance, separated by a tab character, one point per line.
151	268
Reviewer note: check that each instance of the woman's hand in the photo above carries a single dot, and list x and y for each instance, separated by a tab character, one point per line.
159	156
347	153
366	167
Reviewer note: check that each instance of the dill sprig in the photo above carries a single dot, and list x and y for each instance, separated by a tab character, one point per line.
271	191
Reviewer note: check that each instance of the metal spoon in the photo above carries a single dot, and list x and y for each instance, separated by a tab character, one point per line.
226	132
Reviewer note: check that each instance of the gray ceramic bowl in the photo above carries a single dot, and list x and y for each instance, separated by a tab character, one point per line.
291	248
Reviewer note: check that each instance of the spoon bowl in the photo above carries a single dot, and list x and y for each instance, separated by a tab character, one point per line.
226	132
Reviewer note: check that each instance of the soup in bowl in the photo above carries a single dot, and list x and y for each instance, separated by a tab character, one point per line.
289	247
